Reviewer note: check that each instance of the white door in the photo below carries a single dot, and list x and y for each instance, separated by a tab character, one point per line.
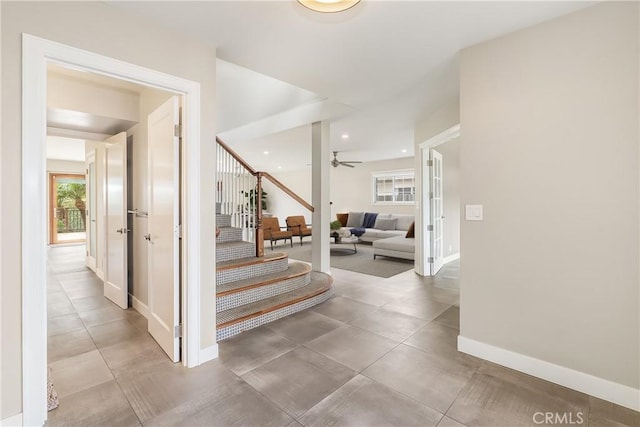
115	284
436	212
163	231
91	211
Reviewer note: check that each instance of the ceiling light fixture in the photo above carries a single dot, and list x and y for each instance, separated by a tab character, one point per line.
345	136
266	152
403	150
328	6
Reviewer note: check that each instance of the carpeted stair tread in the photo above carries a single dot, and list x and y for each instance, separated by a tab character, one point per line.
234	250
295	269
229	234
241	262
319	283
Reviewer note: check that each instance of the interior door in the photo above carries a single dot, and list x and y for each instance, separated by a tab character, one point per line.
115	284
164	231
437	217
91	211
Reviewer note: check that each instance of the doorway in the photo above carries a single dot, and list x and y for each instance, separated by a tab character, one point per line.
67	208
37	53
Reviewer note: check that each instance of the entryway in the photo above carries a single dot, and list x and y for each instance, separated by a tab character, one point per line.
67	213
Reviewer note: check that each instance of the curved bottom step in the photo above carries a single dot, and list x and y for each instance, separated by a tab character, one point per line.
237	320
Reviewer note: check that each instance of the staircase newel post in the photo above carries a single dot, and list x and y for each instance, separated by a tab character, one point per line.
259	231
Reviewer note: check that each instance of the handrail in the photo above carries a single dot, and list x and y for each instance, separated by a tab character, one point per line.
237	157
253	172
289	192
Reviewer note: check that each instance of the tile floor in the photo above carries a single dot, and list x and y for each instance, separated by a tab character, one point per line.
382	352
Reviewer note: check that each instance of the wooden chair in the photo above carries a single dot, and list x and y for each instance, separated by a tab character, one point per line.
272	231
298	226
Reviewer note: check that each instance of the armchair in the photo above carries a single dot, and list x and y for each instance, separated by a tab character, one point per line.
271	230
298	226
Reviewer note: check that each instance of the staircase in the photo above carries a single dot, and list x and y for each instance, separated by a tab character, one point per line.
252	291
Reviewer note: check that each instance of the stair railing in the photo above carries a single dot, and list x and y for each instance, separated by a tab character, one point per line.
239	194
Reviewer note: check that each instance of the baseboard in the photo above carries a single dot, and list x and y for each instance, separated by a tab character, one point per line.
140	307
13	421
100	274
209	353
451	257
599	387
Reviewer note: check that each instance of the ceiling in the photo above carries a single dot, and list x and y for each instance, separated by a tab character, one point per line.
374	70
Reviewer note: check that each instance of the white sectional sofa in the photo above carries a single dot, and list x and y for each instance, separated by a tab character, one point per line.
388	234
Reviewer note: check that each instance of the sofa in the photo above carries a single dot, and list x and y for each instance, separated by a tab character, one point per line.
387	232
382	226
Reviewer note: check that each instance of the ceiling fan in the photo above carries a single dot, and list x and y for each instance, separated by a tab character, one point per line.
335	162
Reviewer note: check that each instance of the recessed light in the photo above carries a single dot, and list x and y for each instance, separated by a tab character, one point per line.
404	150
345	136
279	167
266	152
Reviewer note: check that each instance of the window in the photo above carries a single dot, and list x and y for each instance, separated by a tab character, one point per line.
394	187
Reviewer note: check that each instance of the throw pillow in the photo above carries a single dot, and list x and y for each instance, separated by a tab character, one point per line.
369	220
343	217
410	231
355	219
386	223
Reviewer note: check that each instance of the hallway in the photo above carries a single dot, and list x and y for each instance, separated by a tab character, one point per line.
380	352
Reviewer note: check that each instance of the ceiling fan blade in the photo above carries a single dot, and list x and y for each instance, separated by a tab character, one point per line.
351	161
347	165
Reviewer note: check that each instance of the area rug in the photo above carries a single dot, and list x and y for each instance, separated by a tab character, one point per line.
361	262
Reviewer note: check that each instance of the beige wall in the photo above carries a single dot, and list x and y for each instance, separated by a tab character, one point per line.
549	146
106	30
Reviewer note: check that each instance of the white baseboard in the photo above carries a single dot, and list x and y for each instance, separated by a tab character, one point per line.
13	421
140	307
208	353
619	394
451	257
100	274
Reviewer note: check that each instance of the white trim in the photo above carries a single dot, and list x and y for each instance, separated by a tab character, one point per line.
209	353
599	387
100	273
13	421
452	257
422	267
139	306
37	52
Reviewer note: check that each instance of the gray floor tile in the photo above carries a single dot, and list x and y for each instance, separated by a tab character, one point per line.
114	332
501	396
607	414
450	318
438	339
74	374
63	324
251	349
304	326
101	405
299	379
232	404
363	402
448	422
102	316
432	380
352	347
390	324
69	345
132	356
174	389
421	307
344	309
60	308
91	303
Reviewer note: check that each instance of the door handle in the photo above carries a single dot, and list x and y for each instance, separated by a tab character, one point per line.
122	230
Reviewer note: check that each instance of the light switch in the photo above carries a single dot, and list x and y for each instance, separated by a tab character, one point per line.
473	213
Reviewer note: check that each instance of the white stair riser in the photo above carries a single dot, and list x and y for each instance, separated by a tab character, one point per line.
229	234
228	253
237	299
254	322
249	271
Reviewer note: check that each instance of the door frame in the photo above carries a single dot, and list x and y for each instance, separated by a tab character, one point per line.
36	54
423	237
53	228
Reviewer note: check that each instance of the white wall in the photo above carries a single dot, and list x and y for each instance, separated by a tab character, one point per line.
351	190
550	131
66	166
68	93
107	30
